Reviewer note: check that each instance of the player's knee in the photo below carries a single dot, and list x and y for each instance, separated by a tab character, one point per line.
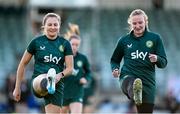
39	86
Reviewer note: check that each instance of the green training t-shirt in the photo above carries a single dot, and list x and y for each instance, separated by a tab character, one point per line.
135	52
72	86
50	54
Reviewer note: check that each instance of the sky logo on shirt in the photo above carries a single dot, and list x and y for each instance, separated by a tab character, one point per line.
137	55
51	58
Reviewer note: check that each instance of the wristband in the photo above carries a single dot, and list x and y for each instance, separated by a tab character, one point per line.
62	75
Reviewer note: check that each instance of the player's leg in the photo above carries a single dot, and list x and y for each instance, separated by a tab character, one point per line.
145	108
39	86
54	102
51	76
87	106
76	107
65	108
127	86
50	109
132	88
44	83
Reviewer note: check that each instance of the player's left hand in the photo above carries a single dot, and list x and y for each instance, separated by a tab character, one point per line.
83	81
153	58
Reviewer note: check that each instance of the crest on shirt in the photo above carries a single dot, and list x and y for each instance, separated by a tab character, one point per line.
61	48
149	43
79	63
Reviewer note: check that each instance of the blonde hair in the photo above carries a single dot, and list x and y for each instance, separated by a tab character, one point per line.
73	29
74	36
137	12
51	15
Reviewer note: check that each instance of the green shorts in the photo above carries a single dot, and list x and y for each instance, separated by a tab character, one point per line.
67	102
86	101
56	98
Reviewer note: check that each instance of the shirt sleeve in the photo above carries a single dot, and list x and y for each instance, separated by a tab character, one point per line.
161	55
117	55
67	48
31	47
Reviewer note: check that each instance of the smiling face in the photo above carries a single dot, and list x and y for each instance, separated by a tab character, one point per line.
51	27
138	21
138	25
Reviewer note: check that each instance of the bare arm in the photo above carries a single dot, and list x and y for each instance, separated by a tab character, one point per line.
20	74
69	67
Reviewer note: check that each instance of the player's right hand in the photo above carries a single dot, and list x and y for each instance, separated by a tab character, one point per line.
58	77
116	73
17	94
83	81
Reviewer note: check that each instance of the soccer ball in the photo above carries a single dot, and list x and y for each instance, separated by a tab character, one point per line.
39	85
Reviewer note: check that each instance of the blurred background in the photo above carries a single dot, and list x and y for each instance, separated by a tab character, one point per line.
101	23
